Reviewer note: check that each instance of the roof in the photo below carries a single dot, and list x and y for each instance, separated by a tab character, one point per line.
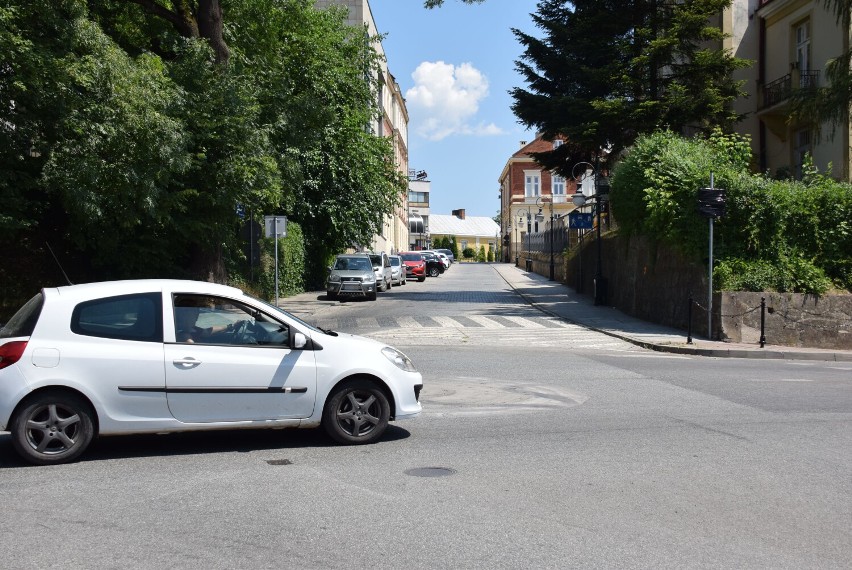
471	226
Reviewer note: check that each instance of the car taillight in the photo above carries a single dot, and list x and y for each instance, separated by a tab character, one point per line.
11	352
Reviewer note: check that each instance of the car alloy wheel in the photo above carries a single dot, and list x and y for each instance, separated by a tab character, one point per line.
356	412
52	428
434	272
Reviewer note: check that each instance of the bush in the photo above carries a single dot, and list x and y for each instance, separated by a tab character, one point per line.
490	256
468	253
480	257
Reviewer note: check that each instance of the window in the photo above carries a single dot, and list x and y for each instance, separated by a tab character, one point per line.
464	244
802	147
202	319
532	184
803	46
24	321
128	317
418	197
557	143
557	185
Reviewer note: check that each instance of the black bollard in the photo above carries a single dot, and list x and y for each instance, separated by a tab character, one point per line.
762	321
689	320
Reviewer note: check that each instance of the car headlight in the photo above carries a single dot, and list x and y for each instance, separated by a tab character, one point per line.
399	359
371	278
334	278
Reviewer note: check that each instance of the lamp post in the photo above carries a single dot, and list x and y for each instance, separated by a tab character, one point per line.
579	199
552	220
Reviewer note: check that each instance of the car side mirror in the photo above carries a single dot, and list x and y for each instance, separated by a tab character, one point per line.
299	340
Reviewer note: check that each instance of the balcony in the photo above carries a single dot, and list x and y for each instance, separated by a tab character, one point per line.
779	91
773	103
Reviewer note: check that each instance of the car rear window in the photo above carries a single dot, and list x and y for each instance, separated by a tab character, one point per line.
411	257
127	317
24	321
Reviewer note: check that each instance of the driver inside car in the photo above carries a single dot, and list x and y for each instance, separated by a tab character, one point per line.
188	325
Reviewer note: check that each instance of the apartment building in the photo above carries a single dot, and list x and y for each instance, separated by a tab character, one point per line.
393	124
790	43
531	198
419	189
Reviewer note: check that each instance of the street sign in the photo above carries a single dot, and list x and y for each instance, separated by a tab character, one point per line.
580	220
711	202
271	226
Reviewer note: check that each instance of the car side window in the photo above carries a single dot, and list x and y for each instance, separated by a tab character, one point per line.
127	317
205	319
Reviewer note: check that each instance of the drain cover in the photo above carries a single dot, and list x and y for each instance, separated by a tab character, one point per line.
430	472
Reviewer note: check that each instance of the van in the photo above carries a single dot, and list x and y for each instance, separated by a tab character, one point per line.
382	269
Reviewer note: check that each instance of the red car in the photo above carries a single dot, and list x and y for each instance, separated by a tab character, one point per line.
415	265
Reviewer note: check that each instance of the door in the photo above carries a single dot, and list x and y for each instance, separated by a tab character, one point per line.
232	362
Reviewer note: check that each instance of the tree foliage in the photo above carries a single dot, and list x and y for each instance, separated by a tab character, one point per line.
776	235
605	71
130	136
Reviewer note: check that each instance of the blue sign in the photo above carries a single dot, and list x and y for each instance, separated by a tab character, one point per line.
580	220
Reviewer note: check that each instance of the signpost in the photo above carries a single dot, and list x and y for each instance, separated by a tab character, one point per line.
580	220
711	204
276	226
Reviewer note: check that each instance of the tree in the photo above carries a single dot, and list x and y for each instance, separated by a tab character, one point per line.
438	3
607	70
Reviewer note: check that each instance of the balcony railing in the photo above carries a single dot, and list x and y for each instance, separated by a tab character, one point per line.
781	89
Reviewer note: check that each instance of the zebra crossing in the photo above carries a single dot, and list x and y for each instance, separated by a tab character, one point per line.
476	329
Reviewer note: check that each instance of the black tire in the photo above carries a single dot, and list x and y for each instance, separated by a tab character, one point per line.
421	279
52	428
371	296
433	272
332	296
356	412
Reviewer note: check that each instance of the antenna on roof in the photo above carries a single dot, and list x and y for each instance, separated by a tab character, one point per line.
57	263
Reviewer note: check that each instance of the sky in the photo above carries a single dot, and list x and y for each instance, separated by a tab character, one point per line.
455	66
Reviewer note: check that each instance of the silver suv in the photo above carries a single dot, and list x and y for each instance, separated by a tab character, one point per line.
351	274
382	268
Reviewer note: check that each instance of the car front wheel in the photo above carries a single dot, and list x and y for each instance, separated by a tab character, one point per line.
53	428
434	272
356	412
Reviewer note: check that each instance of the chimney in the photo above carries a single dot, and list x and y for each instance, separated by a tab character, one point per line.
459	214
523	143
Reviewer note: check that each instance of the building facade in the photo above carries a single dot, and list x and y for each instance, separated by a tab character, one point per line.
419	188
472	232
790	43
393	123
532	199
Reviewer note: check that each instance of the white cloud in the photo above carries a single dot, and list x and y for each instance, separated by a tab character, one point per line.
445	99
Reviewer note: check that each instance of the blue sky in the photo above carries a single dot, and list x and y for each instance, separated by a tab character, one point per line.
455	66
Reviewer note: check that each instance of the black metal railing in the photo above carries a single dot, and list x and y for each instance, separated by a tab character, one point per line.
780	90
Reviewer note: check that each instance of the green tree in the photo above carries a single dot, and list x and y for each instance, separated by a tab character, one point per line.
605	71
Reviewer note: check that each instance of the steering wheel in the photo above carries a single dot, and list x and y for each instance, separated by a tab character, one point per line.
241	332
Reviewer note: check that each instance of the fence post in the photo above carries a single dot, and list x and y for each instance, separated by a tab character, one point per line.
689	320
762	321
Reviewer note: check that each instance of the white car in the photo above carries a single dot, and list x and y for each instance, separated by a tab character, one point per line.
398	272
442	256
152	356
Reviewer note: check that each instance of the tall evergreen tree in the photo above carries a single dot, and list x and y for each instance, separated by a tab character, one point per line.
605	71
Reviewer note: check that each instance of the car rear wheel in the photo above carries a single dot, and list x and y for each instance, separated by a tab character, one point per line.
356	412
53	428
433	272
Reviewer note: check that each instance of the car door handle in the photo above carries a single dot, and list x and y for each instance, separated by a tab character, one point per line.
187	362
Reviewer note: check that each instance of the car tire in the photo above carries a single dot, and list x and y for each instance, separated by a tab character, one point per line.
371	296
356	412
332	296
434	272
52	428
421	279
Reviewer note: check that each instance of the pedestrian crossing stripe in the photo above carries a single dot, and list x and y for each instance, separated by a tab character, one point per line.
490	322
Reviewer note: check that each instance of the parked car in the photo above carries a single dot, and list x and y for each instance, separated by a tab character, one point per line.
382	269
152	356
397	270
434	265
415	265
448	253
444	259
351	274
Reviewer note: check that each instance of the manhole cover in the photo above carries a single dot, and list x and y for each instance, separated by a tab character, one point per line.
430	471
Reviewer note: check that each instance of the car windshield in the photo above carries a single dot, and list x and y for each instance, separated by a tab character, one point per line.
395	261
412	257
285	313
377	260
352	264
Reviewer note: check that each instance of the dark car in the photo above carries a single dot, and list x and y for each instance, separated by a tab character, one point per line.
434	265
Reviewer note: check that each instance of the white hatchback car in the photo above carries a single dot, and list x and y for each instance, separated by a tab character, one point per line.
154	356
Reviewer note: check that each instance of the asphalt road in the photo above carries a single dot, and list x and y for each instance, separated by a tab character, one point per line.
541	445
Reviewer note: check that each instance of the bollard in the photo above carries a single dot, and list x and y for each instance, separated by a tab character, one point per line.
689	320
762	321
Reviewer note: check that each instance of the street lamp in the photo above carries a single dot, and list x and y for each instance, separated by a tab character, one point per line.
579	199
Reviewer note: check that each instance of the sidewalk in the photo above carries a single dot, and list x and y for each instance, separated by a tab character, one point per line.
562	301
